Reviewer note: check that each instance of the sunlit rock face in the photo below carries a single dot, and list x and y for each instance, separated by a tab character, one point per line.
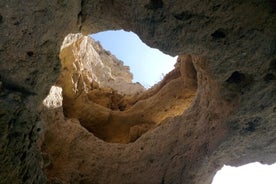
85	63
231	120
54	98
87	123
97	90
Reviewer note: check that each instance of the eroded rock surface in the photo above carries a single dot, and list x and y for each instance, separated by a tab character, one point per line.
86	65
98	91
164	105
231	121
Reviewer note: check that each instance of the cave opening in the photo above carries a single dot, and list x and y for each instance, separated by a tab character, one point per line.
253	173
148	65
98	92
237	38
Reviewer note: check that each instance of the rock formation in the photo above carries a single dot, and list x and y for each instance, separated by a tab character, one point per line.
231	45
86	64
97	91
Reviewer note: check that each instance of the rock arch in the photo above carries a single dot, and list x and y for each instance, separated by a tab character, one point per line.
228	122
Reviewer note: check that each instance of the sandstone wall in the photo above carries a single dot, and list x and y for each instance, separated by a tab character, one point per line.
236	40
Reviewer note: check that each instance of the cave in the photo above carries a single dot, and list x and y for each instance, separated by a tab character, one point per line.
96	89
230	46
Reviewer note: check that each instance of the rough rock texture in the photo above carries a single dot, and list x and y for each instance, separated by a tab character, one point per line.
118	111
31	34
231	121
85	63
86	153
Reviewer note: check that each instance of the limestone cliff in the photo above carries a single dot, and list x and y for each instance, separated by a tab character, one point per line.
85	64
231	120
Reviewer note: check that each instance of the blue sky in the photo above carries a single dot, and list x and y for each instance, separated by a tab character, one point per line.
147	65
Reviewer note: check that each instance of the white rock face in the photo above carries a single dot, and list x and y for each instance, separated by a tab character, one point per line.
54	99
86	63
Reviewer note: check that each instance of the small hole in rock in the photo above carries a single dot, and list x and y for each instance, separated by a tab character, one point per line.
16	23
268	77
251	127
218	34
155	4
30	53
23	157
236	77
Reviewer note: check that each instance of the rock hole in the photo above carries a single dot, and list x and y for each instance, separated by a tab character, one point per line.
155	4
216	7
251	127
237	84
30	53
183	15
218	34
269	77
23	157
95	89
253	173
128	48
236	77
